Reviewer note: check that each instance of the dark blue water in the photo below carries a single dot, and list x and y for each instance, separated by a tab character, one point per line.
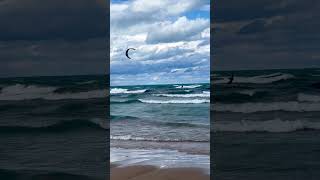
54	127
265	125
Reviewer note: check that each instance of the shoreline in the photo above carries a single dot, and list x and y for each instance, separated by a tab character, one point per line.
160	158
193	148
146	172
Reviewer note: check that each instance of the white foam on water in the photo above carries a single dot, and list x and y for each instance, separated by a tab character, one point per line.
308	97
161	158
292	106
204	94
177	101
262	79
127	137
22	92
135	138
274	126
188	86
126	91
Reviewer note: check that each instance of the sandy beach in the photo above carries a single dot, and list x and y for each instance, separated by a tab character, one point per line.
154	173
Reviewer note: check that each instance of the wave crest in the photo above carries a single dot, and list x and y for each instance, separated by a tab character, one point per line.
292	106
274	126
60	126
23	92
262	79
182	101
308	98
126	91
188	86
133	138
204	94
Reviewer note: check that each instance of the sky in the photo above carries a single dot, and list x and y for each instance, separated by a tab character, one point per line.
171	38
46	37
53	37
265	34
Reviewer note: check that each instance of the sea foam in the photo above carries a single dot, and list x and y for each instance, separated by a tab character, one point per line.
126	91
275	126
23	92
292	106
262	79
204	94
176	101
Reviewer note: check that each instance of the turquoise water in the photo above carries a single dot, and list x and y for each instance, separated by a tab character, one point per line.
160	113
162	125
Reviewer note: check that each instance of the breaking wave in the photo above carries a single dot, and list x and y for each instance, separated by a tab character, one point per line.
182	101
126	91
204	94
274	126
292	106
22	92
262	79
308	98
188	86
60	126
133	138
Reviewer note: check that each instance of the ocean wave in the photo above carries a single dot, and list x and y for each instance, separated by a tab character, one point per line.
126	91
188	86
87	82
274	126
133	138
40	174
182	124
262	79
119	117
182	101
308	98
292	106
60	126
23	92
204	94
248	92
128	101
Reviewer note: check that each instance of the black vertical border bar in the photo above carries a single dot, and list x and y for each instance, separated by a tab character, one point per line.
211	90
108	88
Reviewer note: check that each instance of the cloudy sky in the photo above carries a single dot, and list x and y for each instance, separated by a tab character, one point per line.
53	37
171	38
265	34
59	37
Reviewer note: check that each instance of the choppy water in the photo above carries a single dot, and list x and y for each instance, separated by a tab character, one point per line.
265	125
52	126
161	117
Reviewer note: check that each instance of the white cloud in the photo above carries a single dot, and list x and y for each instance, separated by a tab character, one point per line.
144	11
166	41
180	30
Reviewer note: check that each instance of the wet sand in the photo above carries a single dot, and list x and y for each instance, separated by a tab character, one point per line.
154	173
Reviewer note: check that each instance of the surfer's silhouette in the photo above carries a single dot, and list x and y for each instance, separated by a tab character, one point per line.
231	79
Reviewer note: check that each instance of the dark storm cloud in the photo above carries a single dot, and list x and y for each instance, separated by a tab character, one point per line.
53	37
53	57
234	10
52	19
273	34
